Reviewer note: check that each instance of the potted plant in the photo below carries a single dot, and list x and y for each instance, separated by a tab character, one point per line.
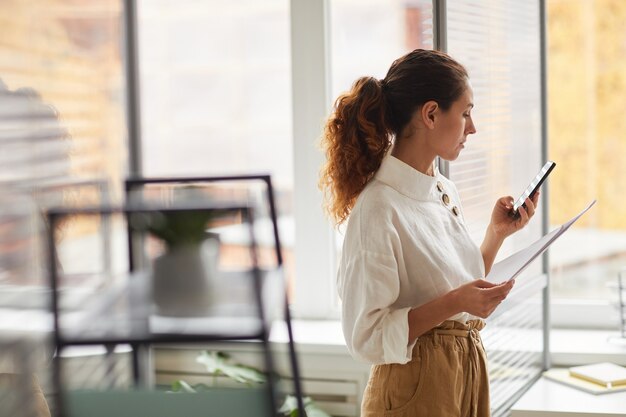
183	276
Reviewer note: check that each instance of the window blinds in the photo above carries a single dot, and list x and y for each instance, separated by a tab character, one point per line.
61	123
499	43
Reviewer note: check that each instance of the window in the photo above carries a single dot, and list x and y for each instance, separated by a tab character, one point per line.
215	82
243	53
62	131
500	46
366	37
505	153
587	86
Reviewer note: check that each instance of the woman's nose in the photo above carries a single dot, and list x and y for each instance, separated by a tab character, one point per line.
470	128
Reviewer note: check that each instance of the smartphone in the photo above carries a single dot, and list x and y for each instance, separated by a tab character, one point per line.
533	186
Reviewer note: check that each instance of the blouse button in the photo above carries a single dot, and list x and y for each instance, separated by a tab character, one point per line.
445	199
455	211
439	186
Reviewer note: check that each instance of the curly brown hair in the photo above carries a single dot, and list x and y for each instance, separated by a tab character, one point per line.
366	120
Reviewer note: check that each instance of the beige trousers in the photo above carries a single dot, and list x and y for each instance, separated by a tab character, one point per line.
38	405
447	377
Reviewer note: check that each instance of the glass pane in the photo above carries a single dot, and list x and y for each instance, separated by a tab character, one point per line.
62	132
368	35
216	88
499	46
216	93
587	96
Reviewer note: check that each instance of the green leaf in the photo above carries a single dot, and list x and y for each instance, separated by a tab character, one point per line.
212	360
290	407
182	386
178	228
220	363
313	411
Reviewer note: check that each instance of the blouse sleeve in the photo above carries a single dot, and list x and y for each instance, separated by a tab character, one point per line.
374	331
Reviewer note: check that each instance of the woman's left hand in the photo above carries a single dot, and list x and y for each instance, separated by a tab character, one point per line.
503	223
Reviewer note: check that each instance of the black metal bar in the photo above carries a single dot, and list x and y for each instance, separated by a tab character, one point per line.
136	367
62	211
293	358
274	215
52	271
110	363
134	181
129	232
159	338
258	293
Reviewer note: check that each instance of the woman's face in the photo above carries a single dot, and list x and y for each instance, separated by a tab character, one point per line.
454	125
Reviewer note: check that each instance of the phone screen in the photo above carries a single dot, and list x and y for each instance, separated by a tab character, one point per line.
534	185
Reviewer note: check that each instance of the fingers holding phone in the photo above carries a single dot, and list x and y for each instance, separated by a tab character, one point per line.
527	210
504	223
533	189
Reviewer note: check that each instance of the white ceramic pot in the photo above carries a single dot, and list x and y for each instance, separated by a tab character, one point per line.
183	279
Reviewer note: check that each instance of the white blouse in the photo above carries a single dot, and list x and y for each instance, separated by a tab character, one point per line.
404	246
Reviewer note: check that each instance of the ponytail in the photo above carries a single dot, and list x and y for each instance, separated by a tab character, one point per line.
356	139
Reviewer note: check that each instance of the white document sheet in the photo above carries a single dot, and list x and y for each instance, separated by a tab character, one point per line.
511	267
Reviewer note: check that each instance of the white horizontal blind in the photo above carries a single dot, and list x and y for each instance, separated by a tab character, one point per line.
499	43
514	343
34	149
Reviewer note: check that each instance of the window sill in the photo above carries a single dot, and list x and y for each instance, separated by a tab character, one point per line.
579	347
567	346
313	336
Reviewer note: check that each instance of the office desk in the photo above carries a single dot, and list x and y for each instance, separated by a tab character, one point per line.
550	399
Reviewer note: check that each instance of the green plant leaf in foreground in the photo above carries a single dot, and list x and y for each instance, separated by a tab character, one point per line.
290	408
220	363
182	386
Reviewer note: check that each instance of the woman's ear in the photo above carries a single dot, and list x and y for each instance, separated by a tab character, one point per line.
429	110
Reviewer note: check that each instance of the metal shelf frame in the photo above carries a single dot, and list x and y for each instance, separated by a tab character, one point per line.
136	183
146	339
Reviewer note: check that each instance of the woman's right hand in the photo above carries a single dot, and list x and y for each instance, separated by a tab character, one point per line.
480	298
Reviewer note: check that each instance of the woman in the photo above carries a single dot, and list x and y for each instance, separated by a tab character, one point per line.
410	277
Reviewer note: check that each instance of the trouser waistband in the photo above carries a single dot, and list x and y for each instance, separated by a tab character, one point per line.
453	332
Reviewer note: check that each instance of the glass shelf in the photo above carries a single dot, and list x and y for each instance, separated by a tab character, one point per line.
126	314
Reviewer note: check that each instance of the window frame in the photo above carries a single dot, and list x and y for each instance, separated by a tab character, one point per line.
562	313
314	289
310	62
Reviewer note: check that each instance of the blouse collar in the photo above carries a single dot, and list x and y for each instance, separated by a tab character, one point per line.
408	181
